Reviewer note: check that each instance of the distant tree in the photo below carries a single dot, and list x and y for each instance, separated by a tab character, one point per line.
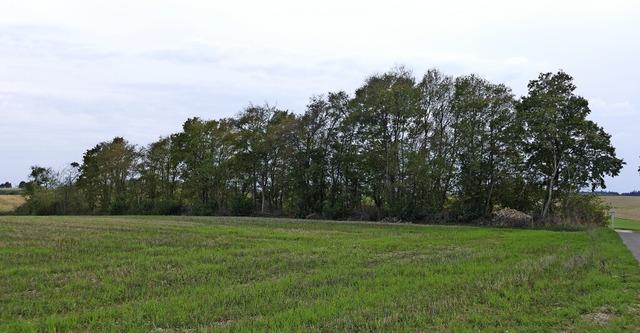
204	150
440	148
159	177
68	196
22	184
40	177
318	178
39	192
563	150
6	185
105	173
604	193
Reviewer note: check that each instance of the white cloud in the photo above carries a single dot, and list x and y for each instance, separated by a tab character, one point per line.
80	72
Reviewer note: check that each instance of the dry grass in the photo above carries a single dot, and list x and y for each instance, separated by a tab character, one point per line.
626	207
9	202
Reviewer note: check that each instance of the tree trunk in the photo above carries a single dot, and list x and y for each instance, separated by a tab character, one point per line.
549	199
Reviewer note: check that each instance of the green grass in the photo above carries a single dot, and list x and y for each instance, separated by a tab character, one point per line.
161	274
628	224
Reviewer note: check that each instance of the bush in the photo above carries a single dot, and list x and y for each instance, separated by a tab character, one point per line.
407	210
203	209
39	203
240	206
584	210
161	207
333	211
119	207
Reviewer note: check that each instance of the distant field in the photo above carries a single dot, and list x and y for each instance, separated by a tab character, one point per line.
9	202
177	274
626	207
627	211
10	191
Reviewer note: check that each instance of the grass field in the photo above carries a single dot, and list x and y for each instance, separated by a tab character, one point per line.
627	211
627	224
160	274
8	203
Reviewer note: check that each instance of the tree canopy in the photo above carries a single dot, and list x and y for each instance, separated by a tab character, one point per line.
562	149
435	148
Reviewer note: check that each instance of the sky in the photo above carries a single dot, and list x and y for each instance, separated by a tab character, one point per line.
77	73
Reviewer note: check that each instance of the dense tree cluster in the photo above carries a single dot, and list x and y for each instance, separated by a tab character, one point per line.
432	148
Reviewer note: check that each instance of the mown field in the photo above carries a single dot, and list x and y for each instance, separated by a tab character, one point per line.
161	274
627	211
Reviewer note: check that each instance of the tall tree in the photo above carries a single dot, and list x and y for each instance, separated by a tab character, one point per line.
317	175
484	151
252	160
105	173
159	176
383	108
434	141
563	149
205	149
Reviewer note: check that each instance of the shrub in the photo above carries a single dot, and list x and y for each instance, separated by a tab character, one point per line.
162	207
119	207
333	211
203	209
240	206
584	210
41	202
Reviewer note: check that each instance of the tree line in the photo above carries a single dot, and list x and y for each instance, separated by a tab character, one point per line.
434	148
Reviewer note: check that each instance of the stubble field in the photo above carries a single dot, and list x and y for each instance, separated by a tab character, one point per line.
162	274
9	203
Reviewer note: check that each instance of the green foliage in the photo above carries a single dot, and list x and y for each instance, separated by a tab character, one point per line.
240	206
335	210
160	207
146	274
105	174
203	209
585	210
39	202
564	152
441	148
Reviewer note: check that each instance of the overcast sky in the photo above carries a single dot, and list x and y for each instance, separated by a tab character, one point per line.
76	73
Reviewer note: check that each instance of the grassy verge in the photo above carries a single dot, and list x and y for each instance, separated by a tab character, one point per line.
628	224
141	274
